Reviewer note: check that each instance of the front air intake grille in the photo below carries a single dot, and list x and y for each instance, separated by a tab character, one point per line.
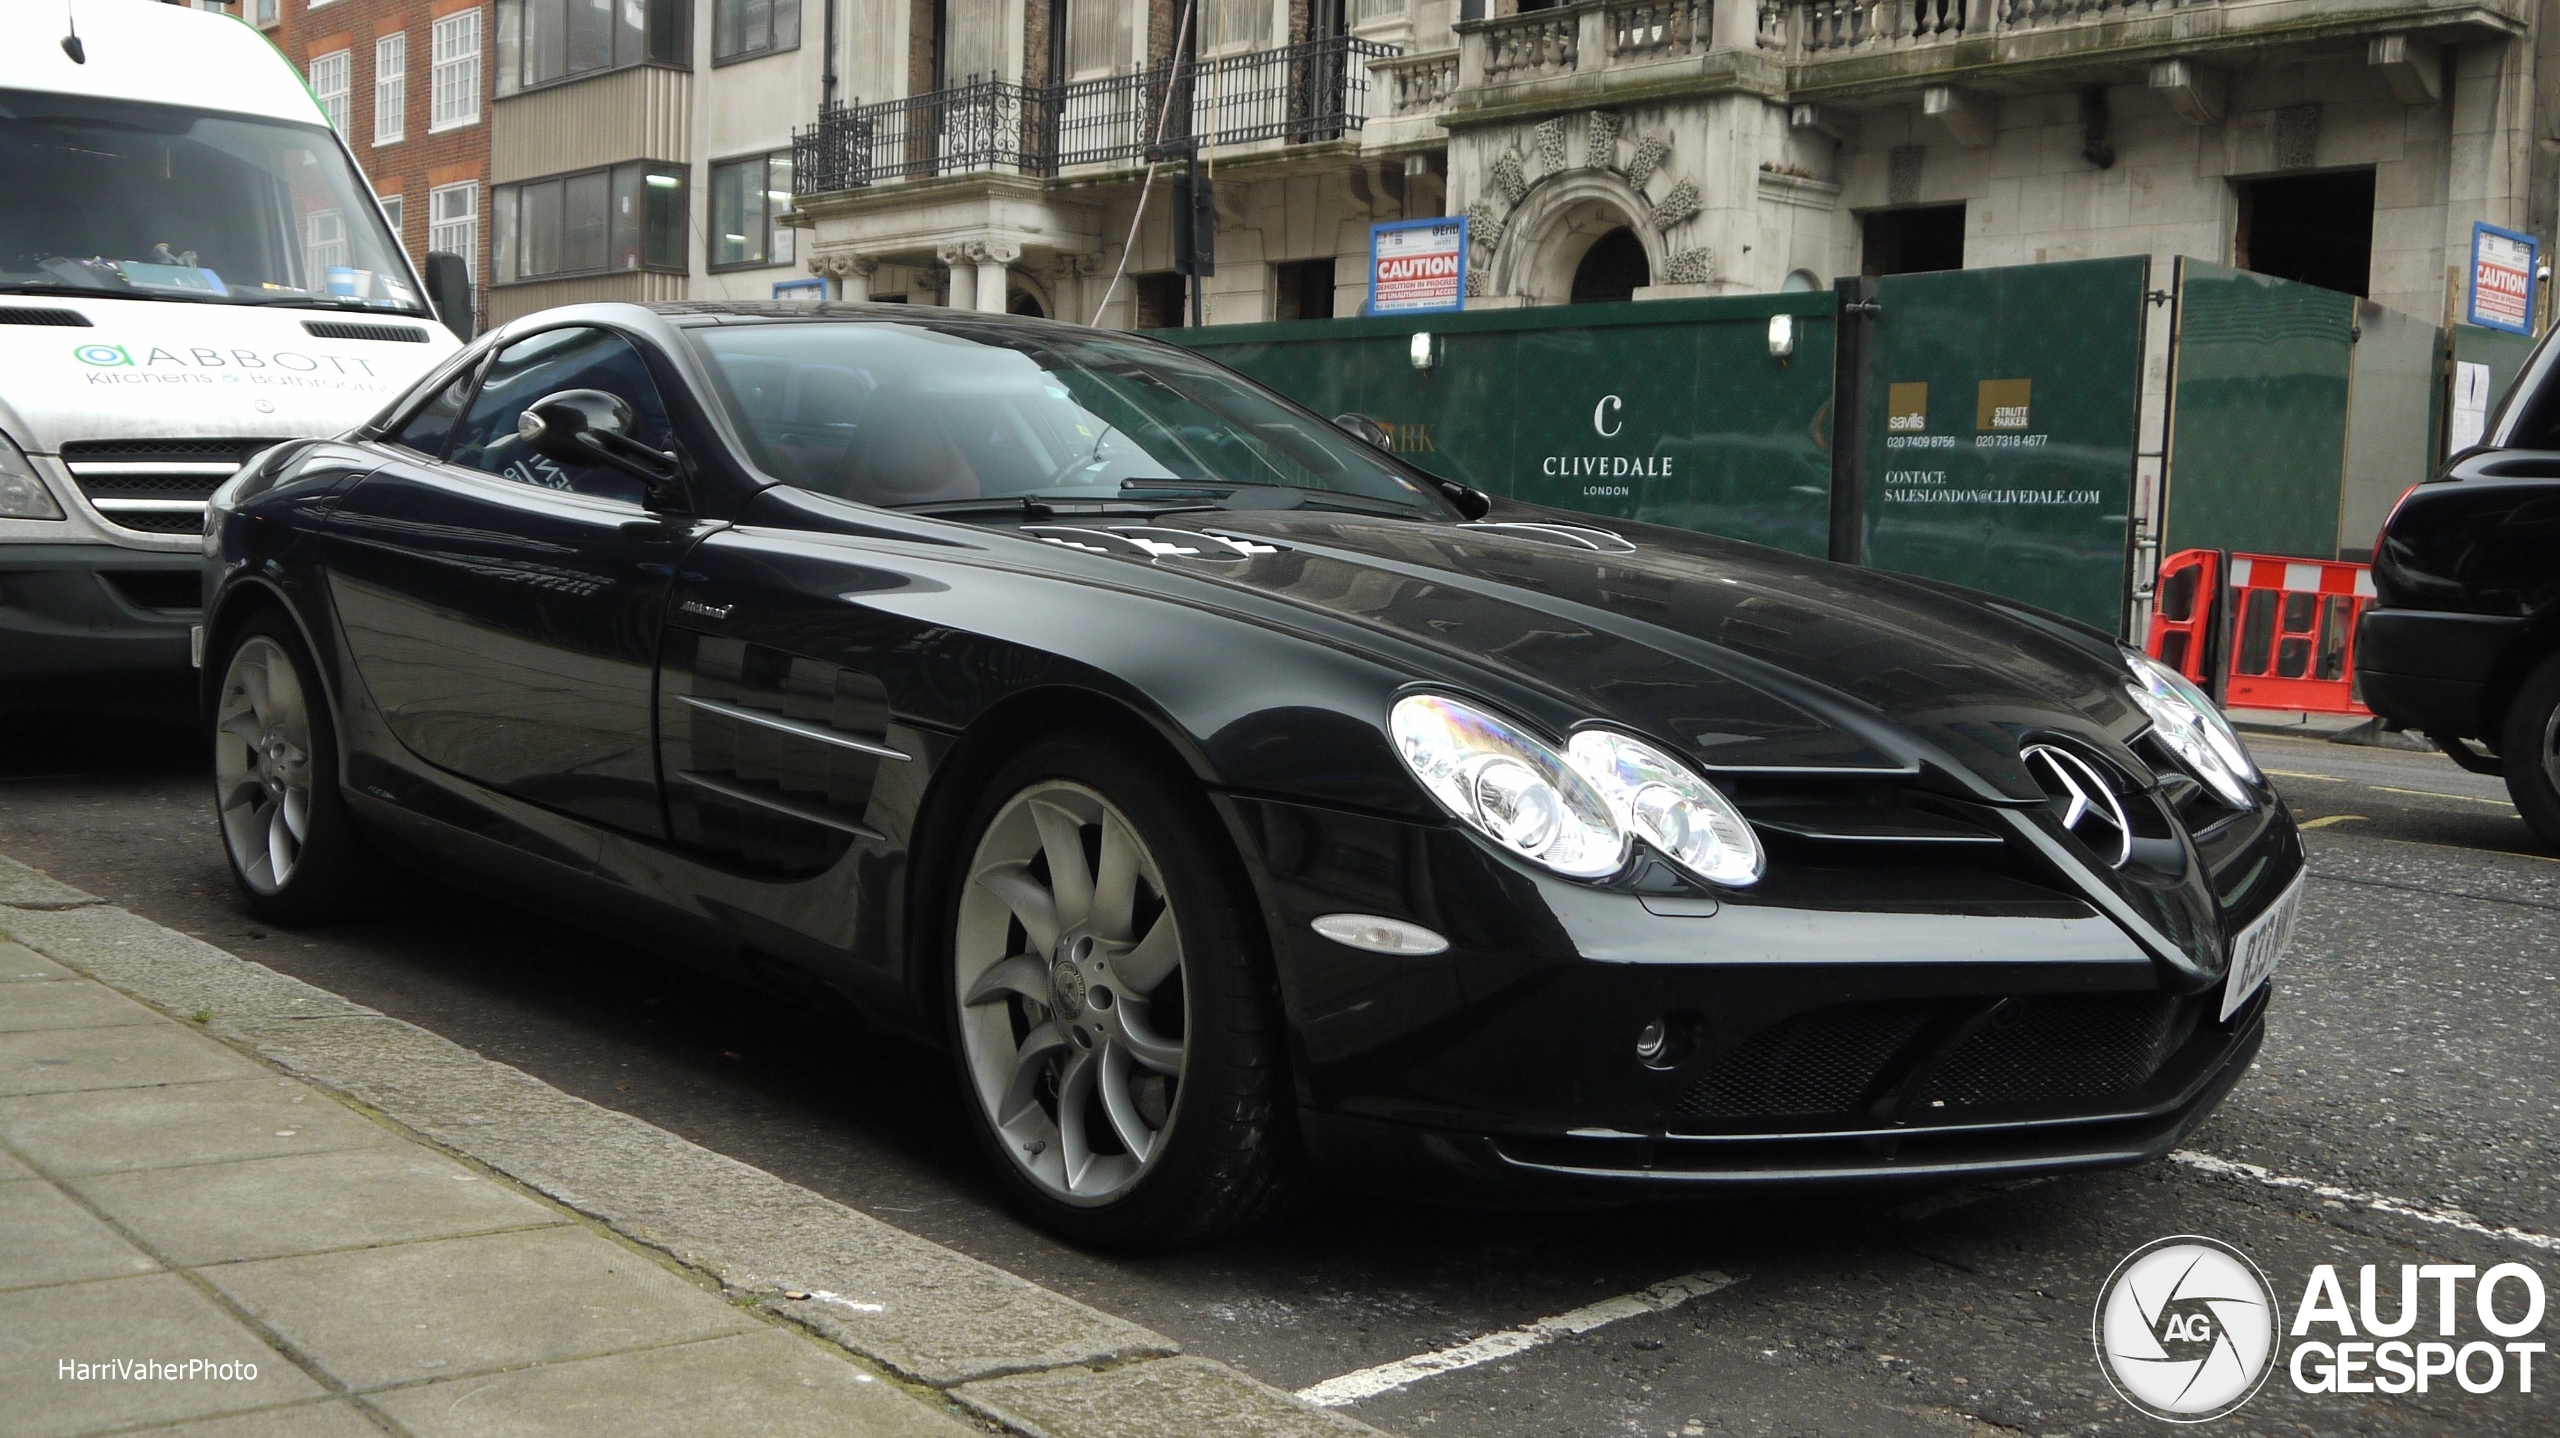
155	486
62	319
2057	1049
388	334
1821	1062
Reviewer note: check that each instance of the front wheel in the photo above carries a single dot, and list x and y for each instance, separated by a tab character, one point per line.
1114	1016
293	852
2531	752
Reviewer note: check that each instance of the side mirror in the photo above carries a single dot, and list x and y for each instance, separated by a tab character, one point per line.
449	286
1471	503
1366	430
589	426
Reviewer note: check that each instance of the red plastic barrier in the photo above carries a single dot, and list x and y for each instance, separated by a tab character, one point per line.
2182	613
2293	633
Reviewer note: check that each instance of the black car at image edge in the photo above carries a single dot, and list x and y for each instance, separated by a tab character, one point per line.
2462	640
1232	801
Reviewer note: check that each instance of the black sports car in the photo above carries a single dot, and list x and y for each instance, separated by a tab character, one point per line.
1226	794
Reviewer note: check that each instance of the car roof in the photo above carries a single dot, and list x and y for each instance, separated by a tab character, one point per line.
680	312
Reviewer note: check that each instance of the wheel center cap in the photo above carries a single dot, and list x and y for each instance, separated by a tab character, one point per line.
1068	983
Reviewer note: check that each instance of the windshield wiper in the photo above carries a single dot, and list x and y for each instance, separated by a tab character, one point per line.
1028	506
1305	498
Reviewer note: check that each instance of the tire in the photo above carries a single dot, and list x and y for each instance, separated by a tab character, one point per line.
2531	752
1118	1031
294	853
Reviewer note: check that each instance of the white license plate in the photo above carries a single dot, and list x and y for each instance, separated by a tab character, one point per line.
2255	954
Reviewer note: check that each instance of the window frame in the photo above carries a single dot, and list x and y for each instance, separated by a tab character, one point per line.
720	9
765	258
438	29
267	14
506	219
392	88
665	40
343	71
471	252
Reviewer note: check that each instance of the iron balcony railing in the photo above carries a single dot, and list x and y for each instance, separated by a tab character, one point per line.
1297	94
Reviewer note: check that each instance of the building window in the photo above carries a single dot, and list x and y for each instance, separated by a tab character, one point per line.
743	28
268	12
747	197
629	217
2314	228
541	42
1612	270
1906	242
455	79
453	222
324	241
390	88
391	215
1159	300
329	85
1302	290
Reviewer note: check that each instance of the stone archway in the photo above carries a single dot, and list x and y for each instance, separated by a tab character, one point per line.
1556	223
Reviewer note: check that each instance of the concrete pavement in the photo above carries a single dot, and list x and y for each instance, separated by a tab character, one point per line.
240	1204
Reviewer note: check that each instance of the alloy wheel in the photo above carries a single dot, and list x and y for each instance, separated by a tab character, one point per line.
2551	748
262	764
1068	969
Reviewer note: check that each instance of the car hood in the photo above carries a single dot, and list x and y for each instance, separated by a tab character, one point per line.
1745	657
145	369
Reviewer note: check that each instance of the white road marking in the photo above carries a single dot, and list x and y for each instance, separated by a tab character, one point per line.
1387	1377
2356	1198
2332	819
2439	794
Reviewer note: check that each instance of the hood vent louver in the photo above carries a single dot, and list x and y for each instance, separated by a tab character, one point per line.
388	334
1566	536
1144	541
64	319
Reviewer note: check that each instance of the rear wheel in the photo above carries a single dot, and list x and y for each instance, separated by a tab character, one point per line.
1114	1017
293	852
2531	752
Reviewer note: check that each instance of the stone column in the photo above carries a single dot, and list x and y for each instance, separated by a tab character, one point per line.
964	277
992	257
858	270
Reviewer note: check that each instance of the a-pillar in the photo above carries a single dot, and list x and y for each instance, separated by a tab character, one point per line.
992	257
964	276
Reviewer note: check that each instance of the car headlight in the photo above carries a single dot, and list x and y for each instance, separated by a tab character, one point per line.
22	491
1679	813
2193	728
1573	812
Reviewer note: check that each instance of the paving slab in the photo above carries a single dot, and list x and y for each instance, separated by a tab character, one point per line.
774	1384
376	1317
10	1168
64	1060
1175	1398
28	1007
46	1238
20	964
307	1420
307	1203
25	888
157	1316
105	1130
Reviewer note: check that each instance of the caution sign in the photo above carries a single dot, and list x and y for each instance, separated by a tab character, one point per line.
2502	279
1418	267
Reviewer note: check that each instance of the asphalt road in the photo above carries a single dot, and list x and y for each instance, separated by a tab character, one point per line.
2408	1060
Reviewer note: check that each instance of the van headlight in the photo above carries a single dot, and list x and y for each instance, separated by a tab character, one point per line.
2193	728
1575	812
23	494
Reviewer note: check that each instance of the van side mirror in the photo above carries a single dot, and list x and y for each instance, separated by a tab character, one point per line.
449	286
589	426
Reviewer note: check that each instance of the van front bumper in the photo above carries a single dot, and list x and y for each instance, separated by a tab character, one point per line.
97	627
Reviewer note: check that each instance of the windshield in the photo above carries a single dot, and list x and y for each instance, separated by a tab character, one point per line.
151	201
912	414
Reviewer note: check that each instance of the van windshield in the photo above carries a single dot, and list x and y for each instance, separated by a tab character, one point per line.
150	201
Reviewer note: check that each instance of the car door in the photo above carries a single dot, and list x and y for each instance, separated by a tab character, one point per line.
503	608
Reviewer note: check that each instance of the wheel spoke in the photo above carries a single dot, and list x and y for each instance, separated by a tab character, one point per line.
1075	1087
246	792
253	686
1122	1108
1144	967
1115	881
244	726
1148	1047
296	809
1022	1090
1022	974
1029	900
1062	839
281	847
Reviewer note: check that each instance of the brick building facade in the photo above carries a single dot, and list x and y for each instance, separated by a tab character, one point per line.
408	83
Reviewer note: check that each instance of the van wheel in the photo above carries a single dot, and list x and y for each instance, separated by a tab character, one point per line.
2532	752
294	854
1115	1019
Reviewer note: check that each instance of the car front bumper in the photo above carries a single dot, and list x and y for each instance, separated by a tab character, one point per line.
95	626
1808	1042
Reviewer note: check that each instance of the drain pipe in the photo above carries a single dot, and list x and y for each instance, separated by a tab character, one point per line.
828	82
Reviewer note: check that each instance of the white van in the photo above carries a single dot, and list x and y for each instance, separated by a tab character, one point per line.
192	268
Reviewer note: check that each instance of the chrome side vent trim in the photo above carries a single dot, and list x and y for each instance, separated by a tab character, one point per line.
800	728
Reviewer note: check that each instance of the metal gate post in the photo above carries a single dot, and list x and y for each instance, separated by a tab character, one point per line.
1852	351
